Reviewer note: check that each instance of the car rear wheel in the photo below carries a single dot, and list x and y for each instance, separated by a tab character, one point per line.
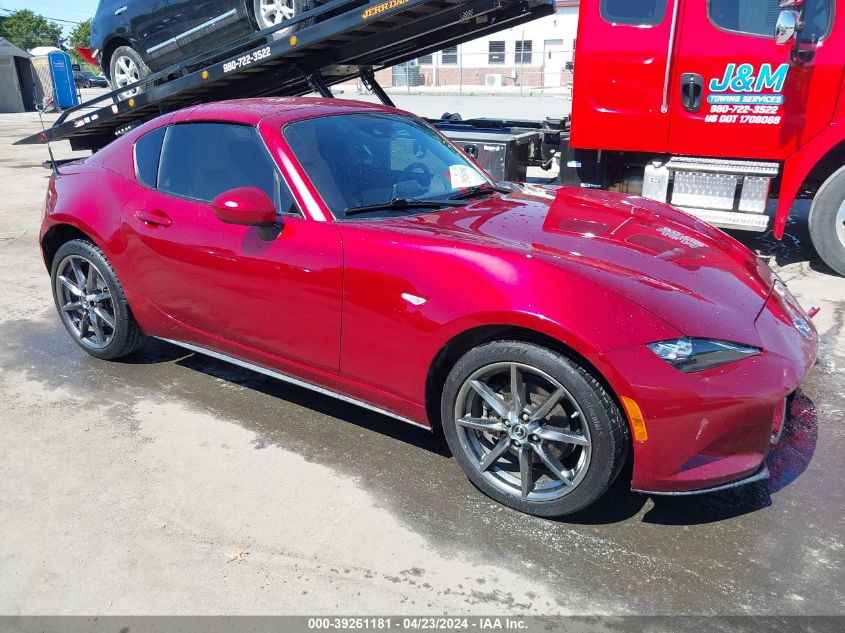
270	13
126	67
532	428
91	303
827	222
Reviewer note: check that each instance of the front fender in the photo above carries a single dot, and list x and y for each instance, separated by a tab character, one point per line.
797	167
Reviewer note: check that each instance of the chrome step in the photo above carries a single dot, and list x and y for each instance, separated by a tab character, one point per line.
723	166
730	219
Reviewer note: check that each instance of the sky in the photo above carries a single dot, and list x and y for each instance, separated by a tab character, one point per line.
68	11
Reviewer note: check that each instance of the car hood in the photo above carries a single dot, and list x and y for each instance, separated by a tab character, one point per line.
691	275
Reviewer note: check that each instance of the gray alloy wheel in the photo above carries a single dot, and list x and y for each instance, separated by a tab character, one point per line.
91	302
531	428
523	431
125	68
270	13
85	302
827	222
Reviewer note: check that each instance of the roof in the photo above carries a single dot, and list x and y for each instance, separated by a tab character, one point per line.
7	49
282	109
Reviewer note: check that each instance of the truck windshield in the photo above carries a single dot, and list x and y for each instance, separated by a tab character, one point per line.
361	160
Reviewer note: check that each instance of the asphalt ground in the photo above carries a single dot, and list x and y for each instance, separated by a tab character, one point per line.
174	483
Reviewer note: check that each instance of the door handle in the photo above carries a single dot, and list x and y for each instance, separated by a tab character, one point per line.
154	217
692	88
120	10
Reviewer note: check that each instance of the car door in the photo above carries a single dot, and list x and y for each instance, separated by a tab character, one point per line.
277	291
206	24
150	27
752	100
623	53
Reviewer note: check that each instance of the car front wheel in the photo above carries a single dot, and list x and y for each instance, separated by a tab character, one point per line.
532	428
91	303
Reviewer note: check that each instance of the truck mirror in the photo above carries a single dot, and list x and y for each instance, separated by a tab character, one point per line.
786	26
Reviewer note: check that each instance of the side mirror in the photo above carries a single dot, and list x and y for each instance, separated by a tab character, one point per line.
245	205
786	27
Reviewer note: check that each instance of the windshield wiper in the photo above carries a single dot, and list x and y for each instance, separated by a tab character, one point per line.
480	190
400	204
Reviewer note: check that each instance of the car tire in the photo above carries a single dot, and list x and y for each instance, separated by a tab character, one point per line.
827	222
265	15
581	439
88	295
126	67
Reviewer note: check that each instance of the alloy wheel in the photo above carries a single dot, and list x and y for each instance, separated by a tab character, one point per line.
85	302
273	12
840	224
126	72
523	431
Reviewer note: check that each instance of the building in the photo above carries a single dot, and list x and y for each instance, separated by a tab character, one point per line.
537	54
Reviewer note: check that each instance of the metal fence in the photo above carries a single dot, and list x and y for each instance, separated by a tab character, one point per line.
548	69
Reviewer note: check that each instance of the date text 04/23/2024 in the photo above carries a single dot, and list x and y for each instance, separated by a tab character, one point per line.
423	623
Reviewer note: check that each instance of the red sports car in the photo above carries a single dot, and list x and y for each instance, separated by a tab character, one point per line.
550	334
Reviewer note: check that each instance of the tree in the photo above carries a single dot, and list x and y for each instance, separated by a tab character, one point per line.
80	36
27	29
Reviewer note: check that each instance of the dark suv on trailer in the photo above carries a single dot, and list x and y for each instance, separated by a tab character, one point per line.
134	38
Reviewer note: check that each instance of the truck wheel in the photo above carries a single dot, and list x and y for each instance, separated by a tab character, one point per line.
827	222
532	429
126	67
269	13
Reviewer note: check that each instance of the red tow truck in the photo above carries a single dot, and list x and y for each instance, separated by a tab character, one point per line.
714	106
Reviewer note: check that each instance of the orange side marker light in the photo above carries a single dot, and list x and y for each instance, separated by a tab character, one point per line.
636	418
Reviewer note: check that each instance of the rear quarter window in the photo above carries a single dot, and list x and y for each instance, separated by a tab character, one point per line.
147	154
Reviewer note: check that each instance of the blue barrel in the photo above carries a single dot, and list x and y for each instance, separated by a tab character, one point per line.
64	89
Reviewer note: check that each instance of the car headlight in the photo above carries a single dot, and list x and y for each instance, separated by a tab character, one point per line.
697	354
793	310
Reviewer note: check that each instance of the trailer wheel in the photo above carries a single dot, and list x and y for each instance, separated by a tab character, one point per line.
126	67
827	222
270	13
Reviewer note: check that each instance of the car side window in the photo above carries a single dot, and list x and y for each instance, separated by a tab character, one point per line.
203	160
758	17
636	12
147	153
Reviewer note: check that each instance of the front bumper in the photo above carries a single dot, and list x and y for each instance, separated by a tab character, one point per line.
711	429
761	475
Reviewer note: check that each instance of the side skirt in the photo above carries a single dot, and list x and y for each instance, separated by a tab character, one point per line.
293	381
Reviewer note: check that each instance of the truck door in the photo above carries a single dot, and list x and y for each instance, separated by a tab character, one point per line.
621	63
738	94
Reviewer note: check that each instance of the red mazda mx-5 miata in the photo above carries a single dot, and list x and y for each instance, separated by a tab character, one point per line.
550	334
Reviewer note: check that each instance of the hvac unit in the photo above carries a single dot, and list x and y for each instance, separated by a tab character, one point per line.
493	81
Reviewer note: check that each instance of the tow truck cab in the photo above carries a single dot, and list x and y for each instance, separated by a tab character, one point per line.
713	106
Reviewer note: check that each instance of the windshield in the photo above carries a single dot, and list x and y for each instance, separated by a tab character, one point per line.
357	160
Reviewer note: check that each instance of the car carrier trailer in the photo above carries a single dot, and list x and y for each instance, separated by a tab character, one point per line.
335	42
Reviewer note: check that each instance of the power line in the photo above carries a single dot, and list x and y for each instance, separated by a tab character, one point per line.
10	11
